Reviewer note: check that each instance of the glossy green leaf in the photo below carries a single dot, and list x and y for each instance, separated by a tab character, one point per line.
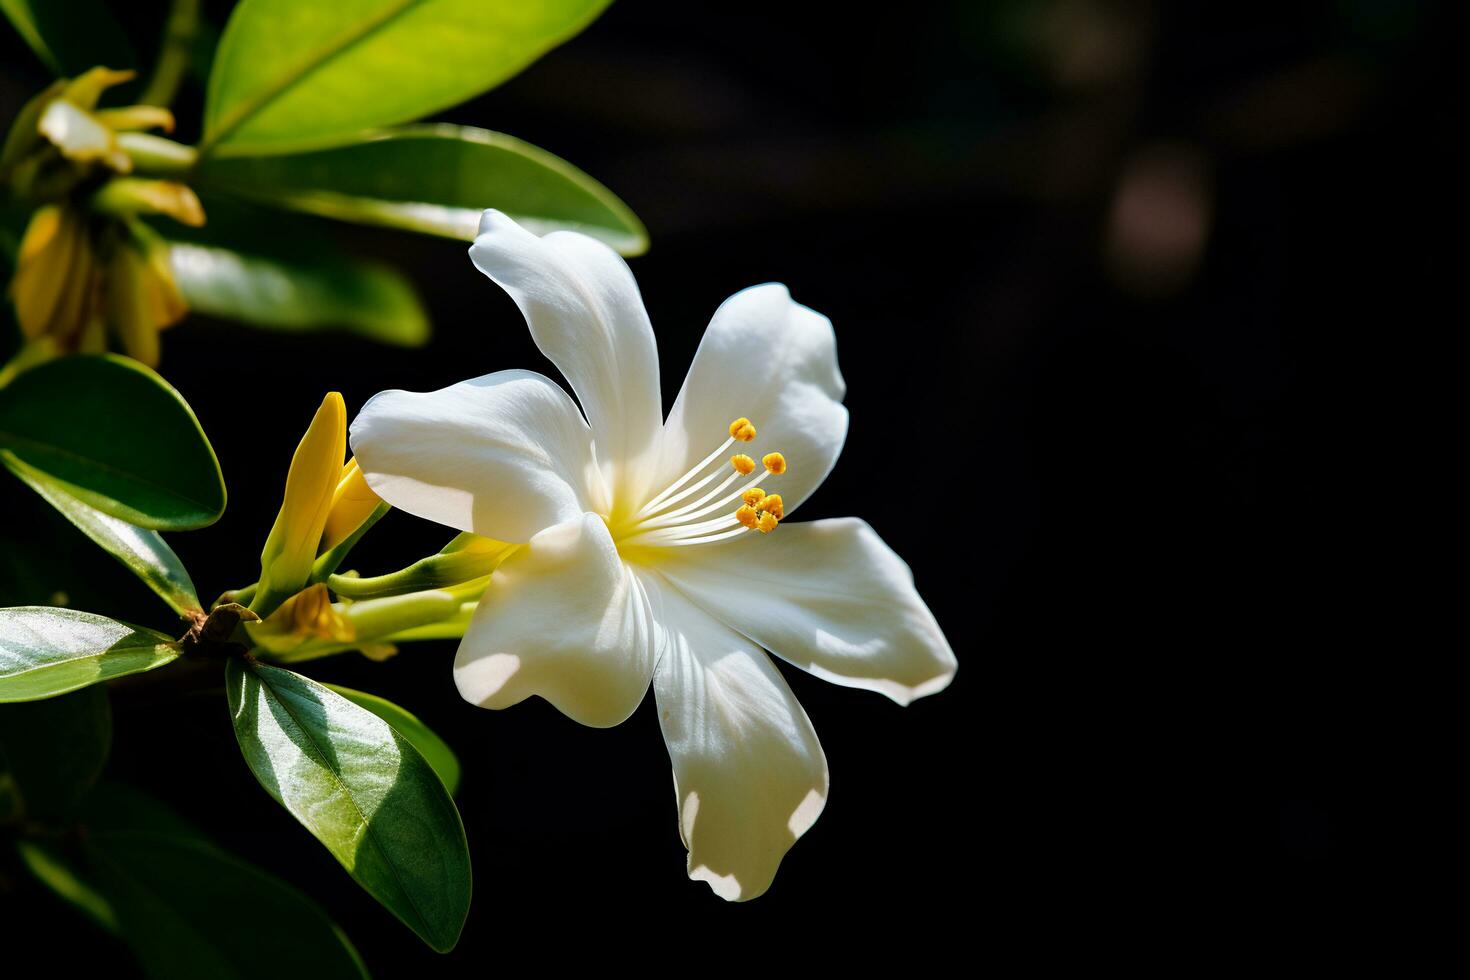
144	552
362	789
113	434
70	36
300	295
45	652
54	750
190	910
435	750
297	74
436	180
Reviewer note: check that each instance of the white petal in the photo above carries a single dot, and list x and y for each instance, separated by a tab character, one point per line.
566	619
585	313
830	597
504	456
749	773
773	361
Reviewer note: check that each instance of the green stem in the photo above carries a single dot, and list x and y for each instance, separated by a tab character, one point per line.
173	56
375	619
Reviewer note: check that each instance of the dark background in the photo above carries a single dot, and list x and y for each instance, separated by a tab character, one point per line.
1121	292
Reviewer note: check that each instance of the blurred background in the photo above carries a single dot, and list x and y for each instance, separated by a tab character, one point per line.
1117	290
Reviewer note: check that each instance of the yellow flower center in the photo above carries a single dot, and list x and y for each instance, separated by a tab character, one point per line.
670	518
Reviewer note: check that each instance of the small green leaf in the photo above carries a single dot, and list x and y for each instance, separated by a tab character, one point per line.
294	295
362	789
144	552
190	910
113	434
298	74
434	179
435	750
70	36
45	652
55	750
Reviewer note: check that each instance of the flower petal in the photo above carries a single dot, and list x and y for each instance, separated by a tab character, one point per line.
585	313
766	358
749	773
505	455
566	619
830	597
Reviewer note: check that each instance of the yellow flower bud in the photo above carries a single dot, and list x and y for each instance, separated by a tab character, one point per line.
52	274
129	306
352	502
311	486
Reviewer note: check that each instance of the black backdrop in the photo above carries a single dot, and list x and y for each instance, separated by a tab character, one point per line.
1115	287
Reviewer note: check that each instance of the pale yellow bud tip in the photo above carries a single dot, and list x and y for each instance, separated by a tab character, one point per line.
767	523
743	464
746	515
742	429
774	463
753	496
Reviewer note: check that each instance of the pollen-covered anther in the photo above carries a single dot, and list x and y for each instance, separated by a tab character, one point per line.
743	464
753	496
742	429
767	522
773	505
774	463
746	515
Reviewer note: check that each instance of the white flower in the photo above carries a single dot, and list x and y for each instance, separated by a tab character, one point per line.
639	560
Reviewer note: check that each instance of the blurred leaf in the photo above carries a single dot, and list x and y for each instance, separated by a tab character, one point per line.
112	433
52	869
45	652
366	298
190	910
299	74
55	749
144	552
70	36
435	750
435	179
362	789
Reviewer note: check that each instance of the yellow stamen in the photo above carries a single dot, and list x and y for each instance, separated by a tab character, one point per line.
753	496
772	505
774	463
742	429
743	464
747	516
767	523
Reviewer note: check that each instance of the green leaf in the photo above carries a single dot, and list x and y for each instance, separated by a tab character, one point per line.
435	750
190	910
303	74
112	433
144	552
434	179
55	750
52	869
70	36
362	789
365	298
45	652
